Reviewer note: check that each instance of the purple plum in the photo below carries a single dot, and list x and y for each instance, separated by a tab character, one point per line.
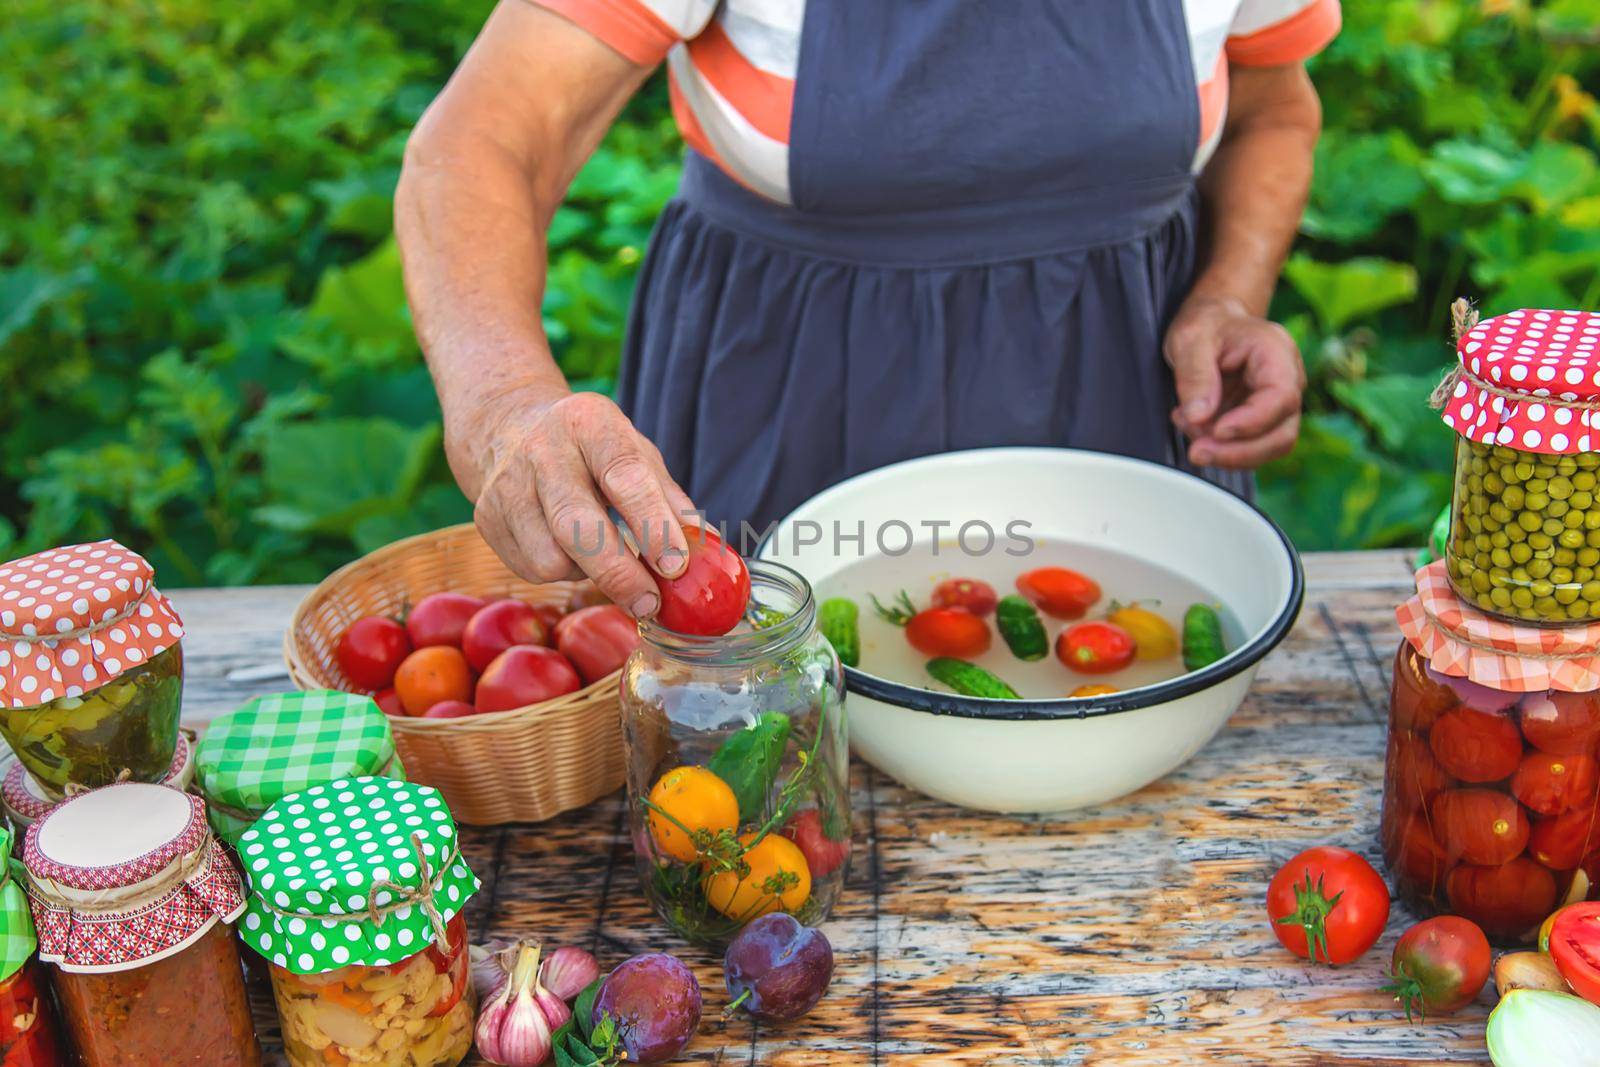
777	969
655	1002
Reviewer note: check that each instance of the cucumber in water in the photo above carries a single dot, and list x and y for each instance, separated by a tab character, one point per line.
969	679
1018	622
1202	637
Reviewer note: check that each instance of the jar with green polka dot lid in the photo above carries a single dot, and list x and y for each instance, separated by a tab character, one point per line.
1524	540
356	894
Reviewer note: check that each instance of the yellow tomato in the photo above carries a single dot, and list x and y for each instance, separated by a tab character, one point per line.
778	878
697	799
1154	636
1093	690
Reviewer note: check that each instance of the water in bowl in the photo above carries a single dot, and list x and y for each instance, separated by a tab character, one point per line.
1122	578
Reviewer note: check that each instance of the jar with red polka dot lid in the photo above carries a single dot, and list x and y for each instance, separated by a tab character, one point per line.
91	671
1524	538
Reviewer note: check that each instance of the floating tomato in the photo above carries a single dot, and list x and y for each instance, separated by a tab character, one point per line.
1550	784
1563	724
969	593
948	632
1096	647
1508	901
1059	592
1476	746
1482	826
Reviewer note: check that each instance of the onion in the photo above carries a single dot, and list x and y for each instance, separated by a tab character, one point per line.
1527	970
1538	1028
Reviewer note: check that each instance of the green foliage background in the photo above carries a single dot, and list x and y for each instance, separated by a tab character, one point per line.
204	347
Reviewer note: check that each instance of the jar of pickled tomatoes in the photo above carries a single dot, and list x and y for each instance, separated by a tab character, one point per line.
1491	784
738	765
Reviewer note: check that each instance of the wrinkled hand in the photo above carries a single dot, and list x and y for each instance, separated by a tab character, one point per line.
1239	380
549	469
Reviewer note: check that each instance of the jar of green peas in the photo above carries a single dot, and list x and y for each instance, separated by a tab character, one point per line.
1524	538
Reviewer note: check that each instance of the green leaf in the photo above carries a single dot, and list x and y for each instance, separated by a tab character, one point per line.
327	476
1466	173
360	204
1395	408
583	1006
1361	180
1555	174
1341	293
366	300
435	507
24	291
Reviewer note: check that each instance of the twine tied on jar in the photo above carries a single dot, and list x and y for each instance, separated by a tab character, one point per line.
1463	317
402	896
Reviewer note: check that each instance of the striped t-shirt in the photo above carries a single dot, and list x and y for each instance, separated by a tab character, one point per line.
732	64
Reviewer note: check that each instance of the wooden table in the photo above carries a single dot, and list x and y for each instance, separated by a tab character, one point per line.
1129	935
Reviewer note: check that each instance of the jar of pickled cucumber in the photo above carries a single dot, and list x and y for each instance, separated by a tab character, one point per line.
1524	539
738	769
91	669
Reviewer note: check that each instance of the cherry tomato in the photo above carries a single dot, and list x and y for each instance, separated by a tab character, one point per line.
948	632
1507	901
1154	635
1417	698
1096	647
1561	841
1575	948
823	854
440	618
710	596
389	702
1327	904
498	626
523	675
371	650
1550	784
969	593
1482	826
1439	965
1413	776
1414	854
1476	746
597	640
450	709
430	675
1093	689
1059	592
1562	724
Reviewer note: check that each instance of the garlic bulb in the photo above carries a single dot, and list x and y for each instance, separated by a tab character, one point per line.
514	1029
568	971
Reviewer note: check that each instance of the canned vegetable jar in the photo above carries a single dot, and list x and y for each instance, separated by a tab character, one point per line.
1492	780
1525	525
26	800
29	1029
91	672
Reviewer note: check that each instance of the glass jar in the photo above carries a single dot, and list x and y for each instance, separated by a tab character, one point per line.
417	1012
28	1036
1525	533
1490	798
738	765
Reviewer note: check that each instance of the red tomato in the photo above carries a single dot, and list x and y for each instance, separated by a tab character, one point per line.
1507	901
969	593
440	618
450	709
1059	592
444	961
597	640
1417	699
1561	841
948	632
1439	965
1482	826
1327	904
1550	784
371	650
710	596
1096	647
1562	724
389	701
498	626
1476	746
1575	948
525	674
1414	854
823	854
1412	776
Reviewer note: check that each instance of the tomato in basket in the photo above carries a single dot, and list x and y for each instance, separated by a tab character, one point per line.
440	618
430	675
498	626
371	650
525	674
598	640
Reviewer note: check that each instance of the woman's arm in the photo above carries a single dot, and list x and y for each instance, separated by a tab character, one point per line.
484	171
1239	376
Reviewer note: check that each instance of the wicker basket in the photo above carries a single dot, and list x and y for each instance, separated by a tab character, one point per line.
522	765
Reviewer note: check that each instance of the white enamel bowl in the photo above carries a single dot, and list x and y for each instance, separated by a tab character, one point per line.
1055	755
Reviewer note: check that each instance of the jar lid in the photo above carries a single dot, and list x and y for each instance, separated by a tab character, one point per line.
17	940
26	799
1530	380
358	871
126	875
1463	642
76	617
276	745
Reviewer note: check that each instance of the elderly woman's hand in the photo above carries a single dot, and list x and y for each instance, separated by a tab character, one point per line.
1239	380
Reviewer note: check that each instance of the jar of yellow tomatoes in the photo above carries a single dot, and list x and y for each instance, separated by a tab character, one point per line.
738	767
1524	540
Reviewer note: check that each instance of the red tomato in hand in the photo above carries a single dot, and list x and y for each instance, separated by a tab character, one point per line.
597	640
371	650
1327	904
1476	746
948	632
450	709
1096	647
1561	841
498	626
525	674
969	593
1417	699
1550	784
1439	965
1058	592
1575	948
1507	901
823	854
710	596
1482	826
440	618
389	702
1562	724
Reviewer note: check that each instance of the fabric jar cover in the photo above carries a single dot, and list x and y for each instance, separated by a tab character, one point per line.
1529	380
17	941
76	617
126	875
358	871
1460	641
27	800
275	745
